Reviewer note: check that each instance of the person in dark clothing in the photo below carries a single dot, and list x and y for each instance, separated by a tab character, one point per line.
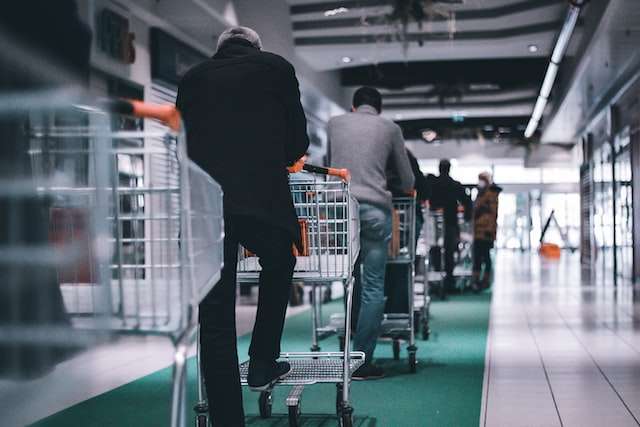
447	194
245	124
485	225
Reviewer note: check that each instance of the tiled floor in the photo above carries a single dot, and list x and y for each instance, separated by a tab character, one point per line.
562	351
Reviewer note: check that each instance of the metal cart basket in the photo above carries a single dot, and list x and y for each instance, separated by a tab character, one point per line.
328	216
135	229
434	239
395	325
462	271
402	251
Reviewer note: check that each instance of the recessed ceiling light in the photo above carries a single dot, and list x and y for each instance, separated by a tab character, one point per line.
429	135
533	48
336	11
346	59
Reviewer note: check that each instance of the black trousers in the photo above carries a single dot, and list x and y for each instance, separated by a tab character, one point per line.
451	239
482	256
217	314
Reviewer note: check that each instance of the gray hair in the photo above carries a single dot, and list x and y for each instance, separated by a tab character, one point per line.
244	33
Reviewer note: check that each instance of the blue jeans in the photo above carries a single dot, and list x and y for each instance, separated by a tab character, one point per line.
375	233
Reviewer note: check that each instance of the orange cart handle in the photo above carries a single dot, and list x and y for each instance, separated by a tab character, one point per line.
167	114
340	173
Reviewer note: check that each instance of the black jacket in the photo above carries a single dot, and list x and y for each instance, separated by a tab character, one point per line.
420	180
245	124
446	193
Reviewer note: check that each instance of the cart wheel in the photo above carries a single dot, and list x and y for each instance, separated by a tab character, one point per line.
396	349
413	362
201	421
315	348
265	403
326	298
443	292
346	417
294	415
417	318
426	332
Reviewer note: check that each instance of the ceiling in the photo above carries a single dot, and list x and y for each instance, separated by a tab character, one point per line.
473	68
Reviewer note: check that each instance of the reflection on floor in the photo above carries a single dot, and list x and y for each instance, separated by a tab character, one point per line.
97	371
562	351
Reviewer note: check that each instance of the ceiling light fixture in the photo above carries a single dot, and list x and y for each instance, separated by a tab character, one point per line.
533	48
429	135
556	57
346	59
336	11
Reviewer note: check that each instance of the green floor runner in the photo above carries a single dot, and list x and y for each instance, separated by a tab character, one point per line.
446	390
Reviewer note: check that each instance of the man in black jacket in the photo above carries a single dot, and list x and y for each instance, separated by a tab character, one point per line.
447	194
245	124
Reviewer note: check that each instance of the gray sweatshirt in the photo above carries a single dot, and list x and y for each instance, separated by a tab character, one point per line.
367	145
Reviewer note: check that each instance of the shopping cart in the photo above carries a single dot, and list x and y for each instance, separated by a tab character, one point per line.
135	228
398	322
434	240
328	216
463	270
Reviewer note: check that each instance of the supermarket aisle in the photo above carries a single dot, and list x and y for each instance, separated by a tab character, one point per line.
562	351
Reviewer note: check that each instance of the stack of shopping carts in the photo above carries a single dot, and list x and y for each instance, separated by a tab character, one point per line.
132	232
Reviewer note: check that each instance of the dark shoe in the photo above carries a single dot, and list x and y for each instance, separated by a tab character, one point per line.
262	376
368	371
476	287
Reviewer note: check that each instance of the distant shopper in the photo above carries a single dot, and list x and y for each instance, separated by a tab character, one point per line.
447	194
366	144
485	223
245	124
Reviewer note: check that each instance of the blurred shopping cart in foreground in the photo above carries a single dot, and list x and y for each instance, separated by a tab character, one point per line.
328	218
131	233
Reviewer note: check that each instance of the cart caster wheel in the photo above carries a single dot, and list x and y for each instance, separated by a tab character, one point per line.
341	343
339	400
202	421
396	349
346	417
413	362
315	348
426	332
417	318
326	298
443	293
294	415
265	404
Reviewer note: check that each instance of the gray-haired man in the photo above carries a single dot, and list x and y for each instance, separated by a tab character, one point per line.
245	125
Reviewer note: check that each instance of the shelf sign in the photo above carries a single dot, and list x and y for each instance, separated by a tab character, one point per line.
114	37
171	58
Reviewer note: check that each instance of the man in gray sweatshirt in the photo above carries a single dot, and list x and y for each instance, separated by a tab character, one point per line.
368	145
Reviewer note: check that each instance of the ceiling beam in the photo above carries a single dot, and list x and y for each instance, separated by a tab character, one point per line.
461	15
322	6
506	73
426	36
459	105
